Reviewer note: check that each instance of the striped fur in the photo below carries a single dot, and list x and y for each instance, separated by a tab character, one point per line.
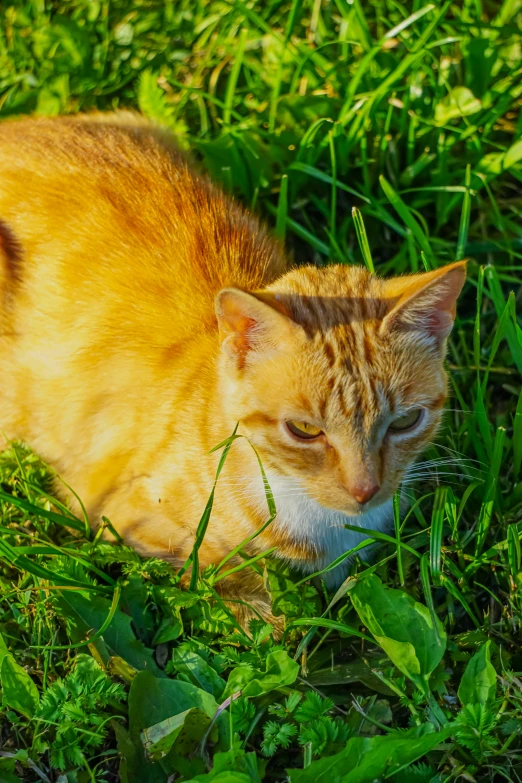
119	369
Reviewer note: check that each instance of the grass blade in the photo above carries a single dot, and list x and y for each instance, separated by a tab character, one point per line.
476	331
323	622
514	556
488	501
404	212
276	89
497	296
437	523
323	177
234	75
464	218
425	580
517	438
193	559
282	209
362	238
59	519
101	630
333	198
452	588
397	525
376	535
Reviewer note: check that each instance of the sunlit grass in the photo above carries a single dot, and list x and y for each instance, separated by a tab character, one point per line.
378	133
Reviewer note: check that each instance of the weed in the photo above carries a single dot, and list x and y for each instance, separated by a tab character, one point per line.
384	133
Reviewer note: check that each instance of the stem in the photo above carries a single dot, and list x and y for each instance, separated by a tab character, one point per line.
395	688
436	710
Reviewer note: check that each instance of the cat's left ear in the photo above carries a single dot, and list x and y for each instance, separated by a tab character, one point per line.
426	302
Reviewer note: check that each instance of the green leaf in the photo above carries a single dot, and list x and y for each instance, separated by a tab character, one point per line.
459	102
3	649
366	759
479	681
48	104
480	57
160	699
170	628
280	670
495	163
18	690
198	671
7	767
185	729
128	754
403	627
84	613
354	671
64	43
151	98
237	161
235	766
135	602
153	700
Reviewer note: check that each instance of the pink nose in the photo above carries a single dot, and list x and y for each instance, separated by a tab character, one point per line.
365	493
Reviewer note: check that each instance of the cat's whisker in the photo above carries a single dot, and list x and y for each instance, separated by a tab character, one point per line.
435	475
453	452
447	477
442	461
452	458
442	469
446	481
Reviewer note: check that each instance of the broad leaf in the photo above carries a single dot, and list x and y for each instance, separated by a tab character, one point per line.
366	759
153	700
3	649
135	602
402	627
354	671
84	613
459	102
7	768
196	670
235	766
494	163
280	670
18	690
479	681
186	730
170	628
129	756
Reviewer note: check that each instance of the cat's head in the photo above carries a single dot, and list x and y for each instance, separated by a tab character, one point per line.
337	375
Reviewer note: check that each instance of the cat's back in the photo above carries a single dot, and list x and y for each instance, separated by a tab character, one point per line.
105	206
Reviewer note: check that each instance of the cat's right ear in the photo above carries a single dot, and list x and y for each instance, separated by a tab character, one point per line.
425	302
249	326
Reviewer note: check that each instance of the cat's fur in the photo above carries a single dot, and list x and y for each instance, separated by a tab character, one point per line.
122	364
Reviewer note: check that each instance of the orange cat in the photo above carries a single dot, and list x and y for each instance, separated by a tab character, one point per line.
144	314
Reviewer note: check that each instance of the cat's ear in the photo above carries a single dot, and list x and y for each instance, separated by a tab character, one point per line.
426	302
252	323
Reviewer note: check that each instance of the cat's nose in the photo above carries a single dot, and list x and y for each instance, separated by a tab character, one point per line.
365	492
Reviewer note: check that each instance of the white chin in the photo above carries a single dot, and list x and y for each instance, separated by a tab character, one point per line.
322	530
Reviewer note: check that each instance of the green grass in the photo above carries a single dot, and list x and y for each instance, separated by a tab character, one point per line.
380	133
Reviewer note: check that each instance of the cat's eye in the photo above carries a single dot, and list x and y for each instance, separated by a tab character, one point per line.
406	422
303	430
